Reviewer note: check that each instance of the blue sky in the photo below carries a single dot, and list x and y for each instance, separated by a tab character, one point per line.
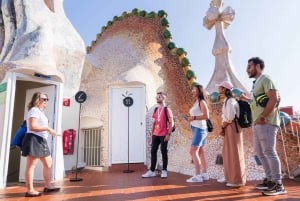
265	28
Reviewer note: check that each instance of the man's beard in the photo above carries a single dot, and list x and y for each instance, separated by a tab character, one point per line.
253	74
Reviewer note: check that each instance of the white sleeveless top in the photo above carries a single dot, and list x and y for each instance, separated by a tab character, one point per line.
195	111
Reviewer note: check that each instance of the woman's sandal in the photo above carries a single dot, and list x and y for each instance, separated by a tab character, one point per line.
37	194
48	190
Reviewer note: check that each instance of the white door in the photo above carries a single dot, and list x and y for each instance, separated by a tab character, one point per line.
49	111
127	125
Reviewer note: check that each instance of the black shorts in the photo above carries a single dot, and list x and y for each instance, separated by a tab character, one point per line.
34	145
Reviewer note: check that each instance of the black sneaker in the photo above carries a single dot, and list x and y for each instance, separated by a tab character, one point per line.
278	189
271	186
264	185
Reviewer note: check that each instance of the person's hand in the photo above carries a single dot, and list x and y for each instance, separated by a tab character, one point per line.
53	132
222	132
184	116
190	118
167	138
261	120
224	124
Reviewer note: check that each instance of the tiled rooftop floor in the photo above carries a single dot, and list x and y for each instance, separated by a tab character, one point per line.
118	186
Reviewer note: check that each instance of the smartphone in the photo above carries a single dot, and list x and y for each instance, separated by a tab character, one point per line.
184	116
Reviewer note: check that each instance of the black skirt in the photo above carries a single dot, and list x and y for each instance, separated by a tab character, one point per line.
35	146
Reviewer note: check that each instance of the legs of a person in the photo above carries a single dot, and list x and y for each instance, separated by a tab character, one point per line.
202	159
164	152
236	168
269	150
47	164
226	155
31	163
194	151
240	161
202	133
258	139
154	148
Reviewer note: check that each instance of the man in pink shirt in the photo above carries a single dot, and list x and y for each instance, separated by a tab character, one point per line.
161	130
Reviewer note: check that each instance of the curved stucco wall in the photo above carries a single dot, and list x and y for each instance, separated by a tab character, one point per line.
133	50
130	51
38	38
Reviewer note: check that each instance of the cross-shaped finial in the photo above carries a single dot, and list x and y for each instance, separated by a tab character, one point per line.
215	14
216	3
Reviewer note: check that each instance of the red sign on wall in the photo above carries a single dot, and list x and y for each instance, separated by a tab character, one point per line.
288	109
66	102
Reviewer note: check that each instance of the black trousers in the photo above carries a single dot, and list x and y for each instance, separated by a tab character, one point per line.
156	141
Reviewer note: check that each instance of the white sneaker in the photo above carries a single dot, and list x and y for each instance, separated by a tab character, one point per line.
204	176
234	185
164	174
149	174
222	180
193	179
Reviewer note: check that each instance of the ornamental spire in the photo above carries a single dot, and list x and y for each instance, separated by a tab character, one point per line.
224	70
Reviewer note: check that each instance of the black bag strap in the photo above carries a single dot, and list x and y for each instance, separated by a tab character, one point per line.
235	122
166	114
167	117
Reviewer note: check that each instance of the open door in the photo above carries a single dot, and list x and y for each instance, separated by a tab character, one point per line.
50	113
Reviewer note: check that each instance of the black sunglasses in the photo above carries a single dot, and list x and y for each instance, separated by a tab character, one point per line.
45	99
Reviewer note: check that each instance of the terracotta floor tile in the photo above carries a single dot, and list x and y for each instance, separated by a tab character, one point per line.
114	185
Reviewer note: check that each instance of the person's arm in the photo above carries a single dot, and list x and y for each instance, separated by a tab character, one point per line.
171	119
152	130
271	104
204	109
170	124
230	110
153	123
34	126
244	97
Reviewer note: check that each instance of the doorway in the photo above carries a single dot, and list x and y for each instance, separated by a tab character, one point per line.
18	117
49	111
23	93
127	125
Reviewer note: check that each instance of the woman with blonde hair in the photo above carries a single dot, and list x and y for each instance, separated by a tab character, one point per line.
35	146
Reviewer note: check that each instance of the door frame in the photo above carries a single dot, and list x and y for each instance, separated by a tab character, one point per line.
11	80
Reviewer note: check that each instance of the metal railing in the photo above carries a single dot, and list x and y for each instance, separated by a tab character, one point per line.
92	146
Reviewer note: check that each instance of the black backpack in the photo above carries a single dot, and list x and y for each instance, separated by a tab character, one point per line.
245	117
166	113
